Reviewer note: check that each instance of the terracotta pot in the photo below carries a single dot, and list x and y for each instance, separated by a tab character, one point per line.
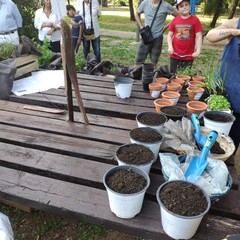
155	89
198	78
196	107
195	84
163	81
195	93
174	96
179	81
173	87
161	102
185	78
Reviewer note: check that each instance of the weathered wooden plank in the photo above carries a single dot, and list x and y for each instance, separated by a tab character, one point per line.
91	204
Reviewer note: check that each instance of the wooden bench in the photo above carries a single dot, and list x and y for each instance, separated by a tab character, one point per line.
50	164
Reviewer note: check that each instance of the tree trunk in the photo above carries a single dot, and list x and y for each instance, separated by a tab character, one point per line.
217	13
104	3
132	18
233	10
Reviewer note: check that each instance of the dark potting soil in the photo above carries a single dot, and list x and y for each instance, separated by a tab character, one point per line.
153	119
183	198
126	181
135	154
216	149
174	111
146	135
218	118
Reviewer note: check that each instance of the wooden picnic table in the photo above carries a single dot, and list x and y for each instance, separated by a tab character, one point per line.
56	166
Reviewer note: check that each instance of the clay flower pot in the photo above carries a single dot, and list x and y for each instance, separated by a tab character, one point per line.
151	119
155	89
198	78
172	86
126	187
161	102
185	78
179	81
174	96
174	112
180	215
196	107
195	84
136	155
163	81
195	93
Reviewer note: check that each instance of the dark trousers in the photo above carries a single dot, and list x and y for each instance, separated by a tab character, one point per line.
179	63
54	46
96	48
235	130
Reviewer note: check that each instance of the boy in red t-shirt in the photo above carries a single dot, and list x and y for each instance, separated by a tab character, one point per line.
184	37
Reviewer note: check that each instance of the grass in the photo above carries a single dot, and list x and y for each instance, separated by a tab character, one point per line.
120	51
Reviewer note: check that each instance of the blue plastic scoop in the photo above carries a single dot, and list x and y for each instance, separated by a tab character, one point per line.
200	139
198	164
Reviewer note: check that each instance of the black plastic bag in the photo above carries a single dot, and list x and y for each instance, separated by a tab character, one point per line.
146	35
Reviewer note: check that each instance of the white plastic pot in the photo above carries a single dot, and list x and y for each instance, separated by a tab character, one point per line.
125	205
176	226
219	126
155	146
123	86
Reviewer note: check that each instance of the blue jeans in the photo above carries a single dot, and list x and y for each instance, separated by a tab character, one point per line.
95	46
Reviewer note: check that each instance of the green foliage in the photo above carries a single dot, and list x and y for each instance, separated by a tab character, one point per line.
6	50
90	232
46	53
218	102
185	71
27	9
79	61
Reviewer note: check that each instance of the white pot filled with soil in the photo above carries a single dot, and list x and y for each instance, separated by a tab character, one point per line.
148	137
151	119
126	187
218	121
182	206
136	155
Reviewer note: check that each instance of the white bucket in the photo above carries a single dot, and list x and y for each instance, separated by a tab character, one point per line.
176	226
123	87
125	205
219	126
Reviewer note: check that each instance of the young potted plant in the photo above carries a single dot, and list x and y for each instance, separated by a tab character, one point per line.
218	103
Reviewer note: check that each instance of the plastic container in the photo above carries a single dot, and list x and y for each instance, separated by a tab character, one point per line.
125	205
123	87
177	226
218	121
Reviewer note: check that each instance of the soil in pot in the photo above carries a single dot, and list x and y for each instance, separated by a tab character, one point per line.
183	198
153	119
174	112
216	149
147	135
135	154
126	182
218	118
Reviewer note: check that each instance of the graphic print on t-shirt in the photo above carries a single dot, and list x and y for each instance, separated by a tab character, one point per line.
183	31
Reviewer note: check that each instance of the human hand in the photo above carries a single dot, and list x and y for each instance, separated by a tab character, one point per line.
236	33
170	50
79	41
196	54
50	31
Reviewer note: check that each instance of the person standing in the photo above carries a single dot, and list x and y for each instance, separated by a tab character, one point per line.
229	69
10	21
154	49
90	11
78	30
184	37
48	25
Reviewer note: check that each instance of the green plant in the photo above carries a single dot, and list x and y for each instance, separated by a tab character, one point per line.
79	62
46	53
6	50
218	102
185	71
